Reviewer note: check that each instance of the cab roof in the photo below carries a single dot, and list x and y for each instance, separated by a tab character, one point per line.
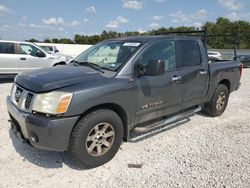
147	38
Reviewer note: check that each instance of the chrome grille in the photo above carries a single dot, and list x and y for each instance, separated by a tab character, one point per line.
18	94
22	98
28	100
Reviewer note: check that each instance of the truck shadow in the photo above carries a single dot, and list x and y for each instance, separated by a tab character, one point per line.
42	158
51	159
136	137
204	114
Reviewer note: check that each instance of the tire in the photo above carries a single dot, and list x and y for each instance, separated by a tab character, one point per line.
96	138
219	101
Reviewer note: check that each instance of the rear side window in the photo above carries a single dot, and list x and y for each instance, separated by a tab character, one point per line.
188	53
7	48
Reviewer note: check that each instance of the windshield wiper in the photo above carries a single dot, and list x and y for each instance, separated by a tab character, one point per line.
106	68
92	65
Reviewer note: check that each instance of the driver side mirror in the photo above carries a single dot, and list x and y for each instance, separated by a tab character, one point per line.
155	67
40	54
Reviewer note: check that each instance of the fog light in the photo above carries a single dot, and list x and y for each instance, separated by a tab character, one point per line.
33	137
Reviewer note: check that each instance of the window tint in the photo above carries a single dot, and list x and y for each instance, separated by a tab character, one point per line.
29	49
189	53
7	48
163	50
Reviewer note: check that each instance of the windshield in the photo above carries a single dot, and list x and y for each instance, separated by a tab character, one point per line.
108	55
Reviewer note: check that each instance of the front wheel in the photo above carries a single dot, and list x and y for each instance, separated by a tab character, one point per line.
96	138
219	101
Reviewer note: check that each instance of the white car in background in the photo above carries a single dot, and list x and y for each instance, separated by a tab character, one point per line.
18	56
48	48
212	55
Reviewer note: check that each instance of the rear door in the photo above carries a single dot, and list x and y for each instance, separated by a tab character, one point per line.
29	60
193	72
9	63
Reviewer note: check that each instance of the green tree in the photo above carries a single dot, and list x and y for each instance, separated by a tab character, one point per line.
47	41
32	40
221	26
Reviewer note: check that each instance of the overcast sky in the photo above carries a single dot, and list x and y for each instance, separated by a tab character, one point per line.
41	19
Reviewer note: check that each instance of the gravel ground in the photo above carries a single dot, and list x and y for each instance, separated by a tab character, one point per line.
199	152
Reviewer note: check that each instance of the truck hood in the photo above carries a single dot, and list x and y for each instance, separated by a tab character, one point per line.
52	78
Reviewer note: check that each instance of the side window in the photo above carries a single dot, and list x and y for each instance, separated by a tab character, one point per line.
56	50
7	48
29	50
163	50
188	53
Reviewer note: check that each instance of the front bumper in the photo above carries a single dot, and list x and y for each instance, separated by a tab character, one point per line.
50	133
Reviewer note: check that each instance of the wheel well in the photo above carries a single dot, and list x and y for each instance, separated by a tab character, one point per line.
226	83
60	63
117	109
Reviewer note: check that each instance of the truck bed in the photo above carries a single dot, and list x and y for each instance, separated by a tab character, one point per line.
224	71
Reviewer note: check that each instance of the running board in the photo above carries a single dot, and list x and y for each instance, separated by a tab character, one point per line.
168	120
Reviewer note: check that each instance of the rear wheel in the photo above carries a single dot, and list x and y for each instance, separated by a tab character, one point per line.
219	101
96	138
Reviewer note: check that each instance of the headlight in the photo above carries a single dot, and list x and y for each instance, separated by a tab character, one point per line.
52	103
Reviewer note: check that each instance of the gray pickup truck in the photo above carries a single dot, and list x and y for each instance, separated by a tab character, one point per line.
134	83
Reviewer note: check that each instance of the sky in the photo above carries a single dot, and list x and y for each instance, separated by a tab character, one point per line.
46	19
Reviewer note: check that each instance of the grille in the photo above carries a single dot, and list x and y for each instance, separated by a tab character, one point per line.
28	100
22	98
18	94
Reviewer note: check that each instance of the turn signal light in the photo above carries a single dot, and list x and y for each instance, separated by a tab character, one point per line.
63	104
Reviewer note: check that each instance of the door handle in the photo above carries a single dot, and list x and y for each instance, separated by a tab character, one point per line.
176	78
203	72
23	58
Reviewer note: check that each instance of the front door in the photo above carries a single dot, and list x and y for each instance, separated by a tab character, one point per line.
29	59
158	96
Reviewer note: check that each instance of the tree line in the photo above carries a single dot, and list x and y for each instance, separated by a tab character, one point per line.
222	26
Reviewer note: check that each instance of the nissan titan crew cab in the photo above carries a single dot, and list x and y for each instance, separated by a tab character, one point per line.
90	106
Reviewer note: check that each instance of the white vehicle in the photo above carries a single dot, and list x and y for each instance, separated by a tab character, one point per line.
214	55
52	49
17	56
48	48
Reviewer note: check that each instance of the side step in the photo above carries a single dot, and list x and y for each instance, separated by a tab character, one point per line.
168	120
